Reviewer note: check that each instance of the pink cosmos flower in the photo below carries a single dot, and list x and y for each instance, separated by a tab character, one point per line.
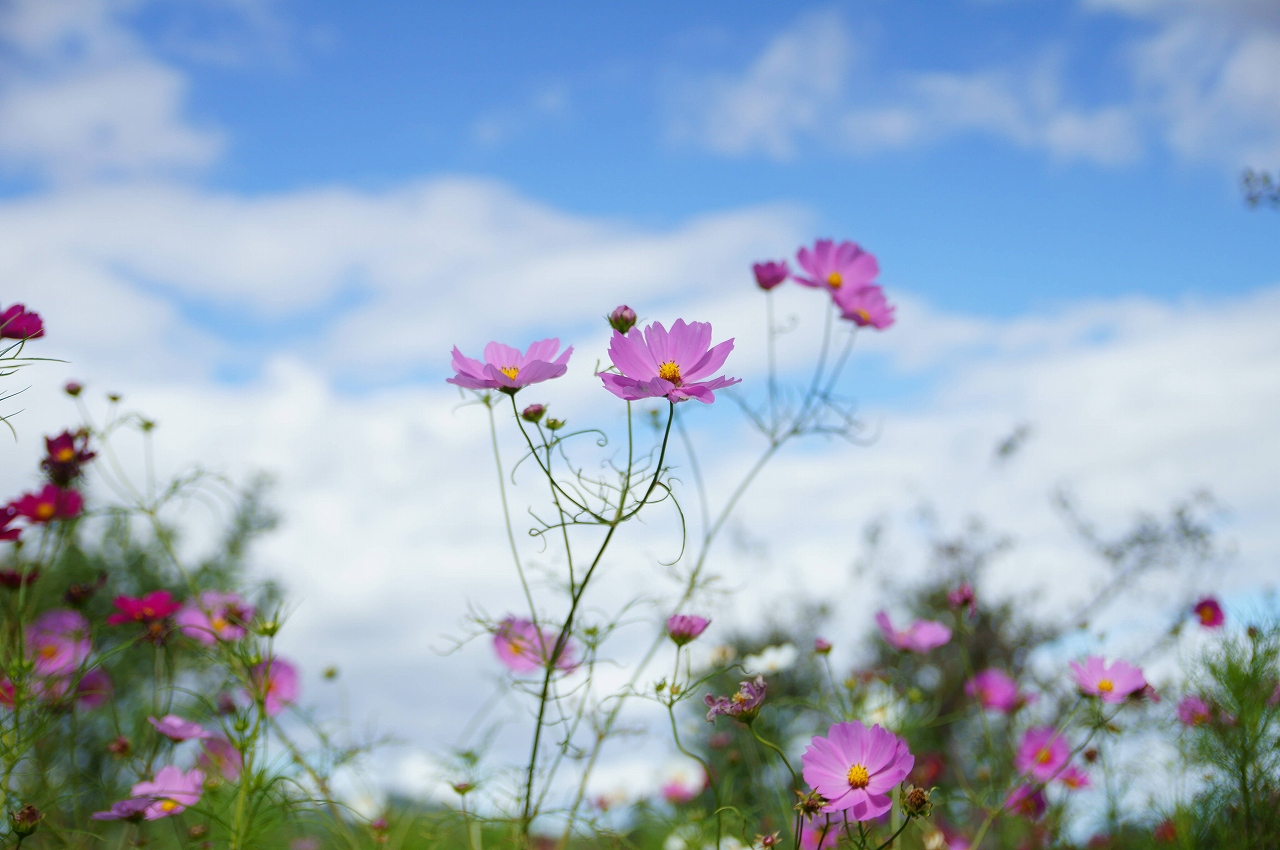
275	683
221	756
683	628
1112	683
744	705
49	504
66	454
855	768
837	266
170	793
523	648
132	809
19	323
921	636
1074	778
865	307
769	273
1026	800
962	597
14	579
995	689
214	616
1209	613
685	785
93	688
1042	753
676	364
506	369
59	642
1193	711
178	730
156	605
821	834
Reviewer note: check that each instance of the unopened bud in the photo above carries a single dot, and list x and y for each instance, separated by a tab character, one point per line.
533	412
72	389
113	397
916	803
555	424
810	804
120	747
25	820
821	646
461	788
622	319
197	831
330	673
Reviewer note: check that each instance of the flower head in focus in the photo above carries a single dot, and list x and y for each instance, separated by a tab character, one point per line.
683	628
865	307
622	319
213	616
743	706
1113	683
995	689
17	322
275	683
836	266
770	273
65	457
856	768
921	636
177	729
533	413
675	364
1193	711
1026	800
1042	753
52	502
523	648
1209	613
506	369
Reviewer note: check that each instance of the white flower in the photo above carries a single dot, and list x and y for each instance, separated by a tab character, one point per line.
680	838
772	659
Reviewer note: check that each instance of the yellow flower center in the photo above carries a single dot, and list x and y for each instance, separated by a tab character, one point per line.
834	280
1106	686
510	371
738	698
863	315
1206	614
218	624
48	650
858	776
64	455
45	510
670	371
169	805
1044	756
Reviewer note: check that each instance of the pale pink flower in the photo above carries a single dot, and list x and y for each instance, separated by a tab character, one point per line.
508	370
221	756
1193	711
168	794
214	616
855	768
275	683
676	364
921	636
1112	683
1026	800
683	628
836	266
177	729
1074	778
523	648
1042	754
995	689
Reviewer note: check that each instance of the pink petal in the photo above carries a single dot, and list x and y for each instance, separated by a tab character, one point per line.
710	362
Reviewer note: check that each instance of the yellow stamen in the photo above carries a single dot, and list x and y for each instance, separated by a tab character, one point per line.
45	510
64	455
510	371
218	624
834	280
670	371
1044	756
169	805
858	777
1106	686
863	315
48	650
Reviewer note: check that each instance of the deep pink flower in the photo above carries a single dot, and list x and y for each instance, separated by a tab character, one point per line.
1074	778
675	364
1209	612
855	768
1112	683
93	688
1193	711
220	755
177	729
921	636
622	319
769	273
837	267
66	455
1042	753
275	683
58	642
49	504
171	792
523	648
214	616
865	307
156	605
962	597
682	628
995	689
1026	800
9	513
506	369
19	323
744	705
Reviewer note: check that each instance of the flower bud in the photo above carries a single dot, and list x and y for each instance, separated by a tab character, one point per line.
622	319
770	274
197	831
810	804
533	412
25	820
330	673
113	397
120	747
916	803
821	646
72	389
555	424
461	788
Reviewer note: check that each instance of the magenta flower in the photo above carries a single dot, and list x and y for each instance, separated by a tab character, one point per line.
996	689
743	706
523	648
132	809
214	616
962	597
178	730
49	504
1112	683
683	628
865	307
19	323
769	274
93	688
676	365
837	267
275	684
156	605
66	455
1026	800
921	636
1074	778
1193	711
506	369
1042	753
170	793
58	642
8	513
855	768
220	755
1209	612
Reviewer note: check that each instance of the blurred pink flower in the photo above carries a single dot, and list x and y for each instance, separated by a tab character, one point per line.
93	688
58	642
18	322
1193	711
769	273
1042	753
995	689
836	266
214	616
1113	682
506	369
744	705
685	785
132	809
855	768
820	834
275	683
865	307
1026	800
962	597
65	455
921	636
8	513
1209	612
170	792
821	646
676	364
177	729
220	755
683	628
1074	778
52	502
523	649
156	605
